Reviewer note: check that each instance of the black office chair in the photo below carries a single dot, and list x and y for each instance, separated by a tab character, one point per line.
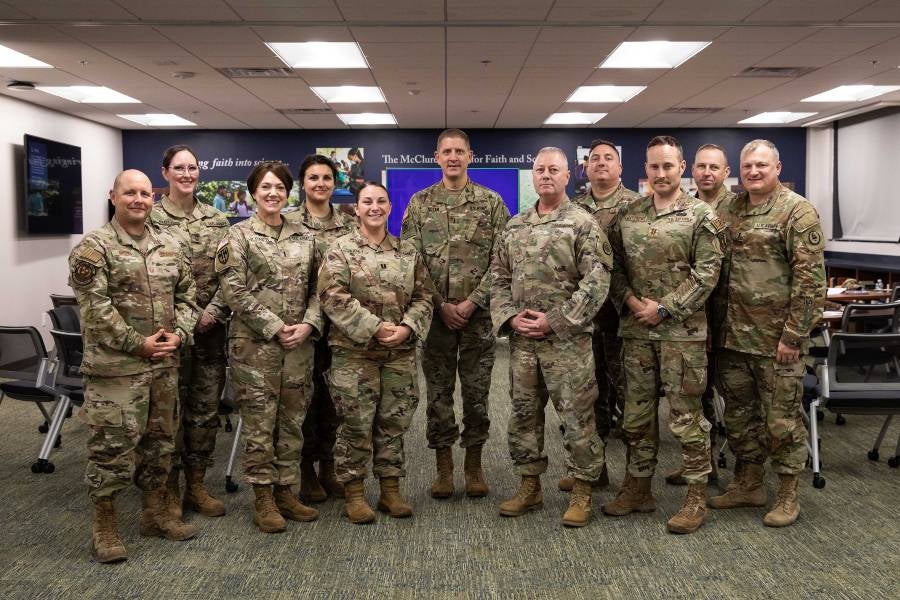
69	347
860	377
895	295
871	318
62	300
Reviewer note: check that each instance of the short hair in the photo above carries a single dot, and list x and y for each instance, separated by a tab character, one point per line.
612	145
754	144
171	151
454	133
355	152
366	184
315	159
712	147
667	140
279	169
549	149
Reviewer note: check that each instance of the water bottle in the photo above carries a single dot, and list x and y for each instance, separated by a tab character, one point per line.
879	285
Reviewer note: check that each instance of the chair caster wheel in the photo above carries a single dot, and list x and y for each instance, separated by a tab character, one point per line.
723	462
230	486
872	454
37	468
42	466
840	420
44	427
818	481
894	462
49	467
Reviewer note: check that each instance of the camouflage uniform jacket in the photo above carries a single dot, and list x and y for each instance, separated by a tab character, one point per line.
327	230
126	295
362	285
455	232
773	279
673	257
557	263
724	195
269	278
604	209
199	233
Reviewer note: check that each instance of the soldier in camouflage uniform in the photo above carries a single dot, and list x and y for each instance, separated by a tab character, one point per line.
199	228
668	254
454	224
267	268
771	294
550	277
317	176
605	197
378	295
710	170
136	295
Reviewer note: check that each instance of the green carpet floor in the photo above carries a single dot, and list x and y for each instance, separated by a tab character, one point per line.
845	545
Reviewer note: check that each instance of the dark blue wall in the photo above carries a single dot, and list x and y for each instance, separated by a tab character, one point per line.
143	149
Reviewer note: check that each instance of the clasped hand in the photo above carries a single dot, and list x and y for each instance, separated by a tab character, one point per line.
390	335
159	345
531	323
292	336
456	316
645	310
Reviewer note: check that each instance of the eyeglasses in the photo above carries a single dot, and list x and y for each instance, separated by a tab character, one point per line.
182	169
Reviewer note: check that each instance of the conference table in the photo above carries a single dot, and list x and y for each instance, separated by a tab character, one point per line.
851	296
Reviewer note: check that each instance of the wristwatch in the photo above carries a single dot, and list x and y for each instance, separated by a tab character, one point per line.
663	312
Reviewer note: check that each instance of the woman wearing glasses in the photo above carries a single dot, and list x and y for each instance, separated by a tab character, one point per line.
199	228
378	295
267	268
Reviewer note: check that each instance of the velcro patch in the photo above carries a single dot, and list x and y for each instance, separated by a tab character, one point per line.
83	272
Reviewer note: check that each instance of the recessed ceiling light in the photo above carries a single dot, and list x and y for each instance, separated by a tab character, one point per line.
159	120
651	55
320	55
778	118
574	118
368	119
89	94
12	59
349	93
852	93
605	93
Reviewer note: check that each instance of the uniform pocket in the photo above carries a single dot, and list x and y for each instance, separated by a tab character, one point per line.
101	415
693	376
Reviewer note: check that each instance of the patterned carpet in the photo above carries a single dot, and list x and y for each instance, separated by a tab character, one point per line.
846	544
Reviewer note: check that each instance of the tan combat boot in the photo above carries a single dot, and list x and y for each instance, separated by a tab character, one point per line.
391	501
288	506
158	521
568	482
443	485
106	545
265	514
746	489
633	496
329	480
476	486
172	499
579	511
197	497
528	497
692	513
787	505
310	488
355	506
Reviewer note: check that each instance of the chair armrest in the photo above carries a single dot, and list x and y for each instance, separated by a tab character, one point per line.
46	375
68	334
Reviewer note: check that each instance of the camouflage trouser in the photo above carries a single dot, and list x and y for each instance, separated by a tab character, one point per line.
131	422
200	380
607	347
709	397
680	369
320	426
272	388
563	371
472	351
763	404
375	393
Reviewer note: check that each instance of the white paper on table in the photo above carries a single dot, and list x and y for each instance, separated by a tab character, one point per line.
836	291
832	314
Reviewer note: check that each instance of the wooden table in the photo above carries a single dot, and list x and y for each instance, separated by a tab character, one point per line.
833	318
849	296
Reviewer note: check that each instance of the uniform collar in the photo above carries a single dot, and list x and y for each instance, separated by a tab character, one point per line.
288	227
720	196
454	198
361	240
536	218
126	240
748	209
173	210
337	221
682	202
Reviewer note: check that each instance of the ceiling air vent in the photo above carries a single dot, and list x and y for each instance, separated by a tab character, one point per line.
691	110
783	72
257	73
305	111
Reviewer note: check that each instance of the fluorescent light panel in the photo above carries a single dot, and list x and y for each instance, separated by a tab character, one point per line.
778	118
320	55
852	93
368	119
159	120
13	59
574	118
89	94
605	93
651	55
349	93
